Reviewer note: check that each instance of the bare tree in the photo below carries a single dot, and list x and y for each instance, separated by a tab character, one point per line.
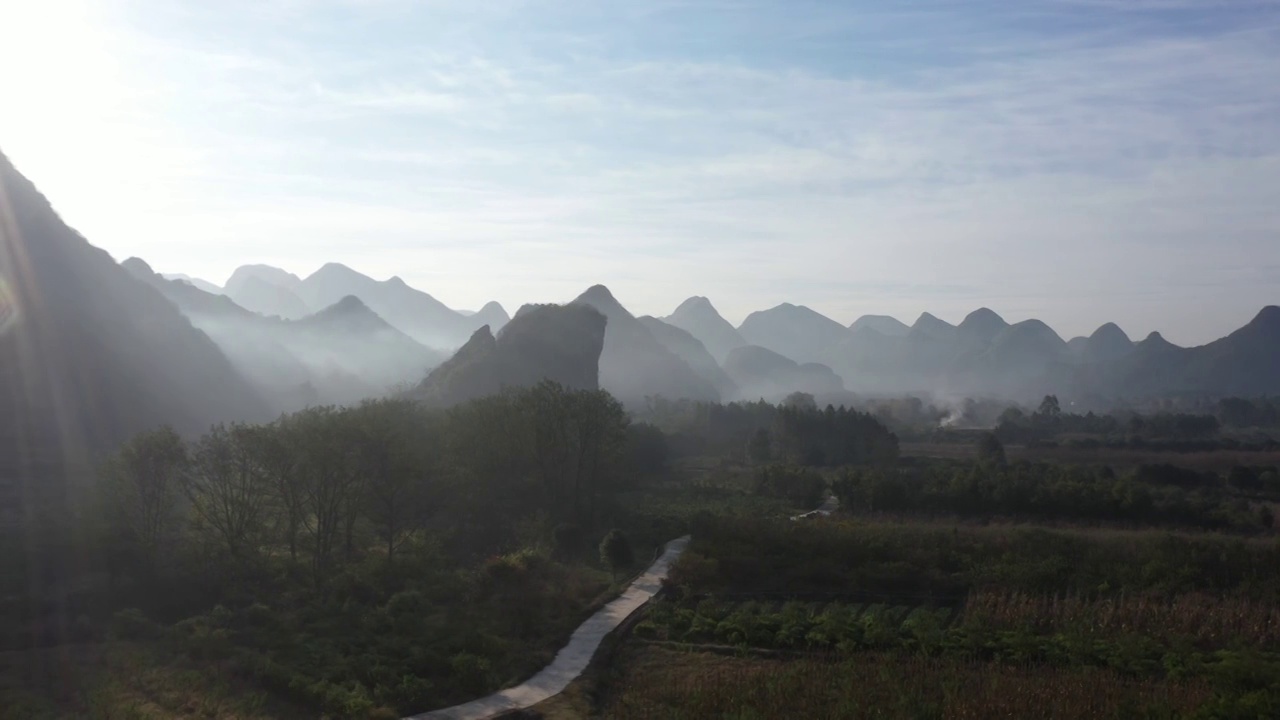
141	482
330	482
228	489
277	450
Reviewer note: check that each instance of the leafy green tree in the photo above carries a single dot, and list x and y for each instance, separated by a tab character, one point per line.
832	437
599	432
616	552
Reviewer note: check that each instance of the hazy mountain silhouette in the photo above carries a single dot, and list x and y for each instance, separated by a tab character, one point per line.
794	331
980	327
634	364
562	343
341	354
188	298
421	316
204	285
1246	362
983	355
693	352
1107	344
1016	360
264	297
88	354
492	314
1155	367
763	373
883	324
79	335
929	326
265	273
698	317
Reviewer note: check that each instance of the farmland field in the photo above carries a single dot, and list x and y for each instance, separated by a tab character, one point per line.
666	684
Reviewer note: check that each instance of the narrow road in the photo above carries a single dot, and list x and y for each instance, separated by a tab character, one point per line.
573	658
828	506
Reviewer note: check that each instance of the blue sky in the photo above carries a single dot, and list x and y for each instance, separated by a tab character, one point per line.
1079	161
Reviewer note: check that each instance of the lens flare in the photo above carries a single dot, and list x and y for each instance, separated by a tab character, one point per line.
8	309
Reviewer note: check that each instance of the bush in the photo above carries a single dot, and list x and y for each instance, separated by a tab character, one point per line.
131	624
470	673
616	552
408	602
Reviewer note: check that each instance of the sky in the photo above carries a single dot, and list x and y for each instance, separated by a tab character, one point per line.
1078	161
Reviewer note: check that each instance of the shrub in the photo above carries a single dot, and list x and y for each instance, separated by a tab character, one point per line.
408	602
131	624
616	552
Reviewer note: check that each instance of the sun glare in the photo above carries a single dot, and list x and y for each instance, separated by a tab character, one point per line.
60	88
8	309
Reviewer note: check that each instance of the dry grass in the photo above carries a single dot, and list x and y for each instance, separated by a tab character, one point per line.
1209	620
659	683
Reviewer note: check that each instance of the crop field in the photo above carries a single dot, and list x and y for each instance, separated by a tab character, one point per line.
673	685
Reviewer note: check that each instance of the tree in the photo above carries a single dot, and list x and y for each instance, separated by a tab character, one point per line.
990	450
1049	410
760	447
647	448
331	482
277	452
141	482
394	456
616	553
599	430
227	489
801	400
546	407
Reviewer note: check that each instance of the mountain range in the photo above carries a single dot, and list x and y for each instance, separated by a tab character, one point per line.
339	355
92	351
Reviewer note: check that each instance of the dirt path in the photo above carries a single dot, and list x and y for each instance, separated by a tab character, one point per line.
574	657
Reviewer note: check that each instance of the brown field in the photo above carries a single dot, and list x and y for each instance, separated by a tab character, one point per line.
1119	458
656	683
1207	620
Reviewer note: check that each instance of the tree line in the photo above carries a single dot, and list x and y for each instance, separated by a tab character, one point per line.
796	431
1049	421
329	483
1160	495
